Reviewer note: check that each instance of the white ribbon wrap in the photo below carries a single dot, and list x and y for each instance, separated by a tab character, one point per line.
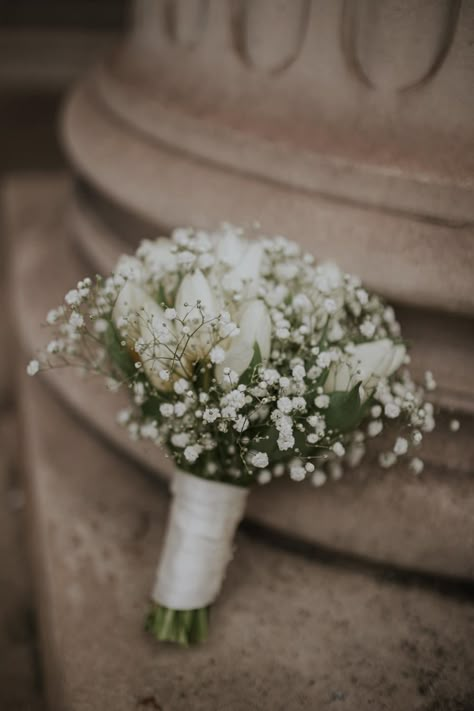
198	544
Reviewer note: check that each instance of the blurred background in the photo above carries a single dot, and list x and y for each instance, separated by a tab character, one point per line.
45	45
344	125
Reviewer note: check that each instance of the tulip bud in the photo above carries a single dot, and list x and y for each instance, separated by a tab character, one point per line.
158	343
195	301
255	327
368	363
339	378
126	307
145	320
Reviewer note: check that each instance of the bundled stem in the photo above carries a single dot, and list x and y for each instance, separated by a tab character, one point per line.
185	627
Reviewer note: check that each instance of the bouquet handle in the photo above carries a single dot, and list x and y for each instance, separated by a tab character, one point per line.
197	548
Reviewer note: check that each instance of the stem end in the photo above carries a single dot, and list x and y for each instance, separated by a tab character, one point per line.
184	627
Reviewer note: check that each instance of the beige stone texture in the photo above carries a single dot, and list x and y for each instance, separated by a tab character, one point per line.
287	632
20	686
394	253
342	125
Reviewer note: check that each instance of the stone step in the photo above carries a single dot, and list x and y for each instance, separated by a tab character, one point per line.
287	632
425	523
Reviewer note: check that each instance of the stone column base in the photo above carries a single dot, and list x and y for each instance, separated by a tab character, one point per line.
424	523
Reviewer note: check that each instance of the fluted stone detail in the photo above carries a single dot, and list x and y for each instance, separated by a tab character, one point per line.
147	25
398	44
269	35
186	21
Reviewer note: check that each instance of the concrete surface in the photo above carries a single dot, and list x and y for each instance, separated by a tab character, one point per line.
288	633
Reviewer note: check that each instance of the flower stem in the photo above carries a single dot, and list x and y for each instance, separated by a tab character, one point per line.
183	627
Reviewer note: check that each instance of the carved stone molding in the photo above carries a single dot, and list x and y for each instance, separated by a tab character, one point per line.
294	113
398	44
269	35
186	21
394	252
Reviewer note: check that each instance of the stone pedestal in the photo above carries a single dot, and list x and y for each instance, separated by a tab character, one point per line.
345	126
424	523
306	118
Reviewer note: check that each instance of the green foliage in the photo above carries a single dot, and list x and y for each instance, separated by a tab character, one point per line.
345	410
118	354
323	342
151	407
247	375
161	296
265	439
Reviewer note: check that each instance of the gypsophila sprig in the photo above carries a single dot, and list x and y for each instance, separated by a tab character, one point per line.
292	356
245	359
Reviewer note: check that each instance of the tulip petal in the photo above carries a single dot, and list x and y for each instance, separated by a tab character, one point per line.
397	359
368	363
238	358
126	306
255	327
193	288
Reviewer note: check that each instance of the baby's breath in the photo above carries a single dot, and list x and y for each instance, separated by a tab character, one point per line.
245	359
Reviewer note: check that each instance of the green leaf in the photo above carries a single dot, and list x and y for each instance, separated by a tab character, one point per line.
324	334
118	354
264	439
345	410
151	407
246	376
161	296
323	377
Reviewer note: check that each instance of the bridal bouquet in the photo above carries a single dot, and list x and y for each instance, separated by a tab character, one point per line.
245	360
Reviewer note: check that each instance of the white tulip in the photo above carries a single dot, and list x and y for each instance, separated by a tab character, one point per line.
340	378
138	316
195	288
126	308
255	327
158	346
367	364
246	272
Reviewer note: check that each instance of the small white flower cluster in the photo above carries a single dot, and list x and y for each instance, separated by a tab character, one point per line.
245	359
